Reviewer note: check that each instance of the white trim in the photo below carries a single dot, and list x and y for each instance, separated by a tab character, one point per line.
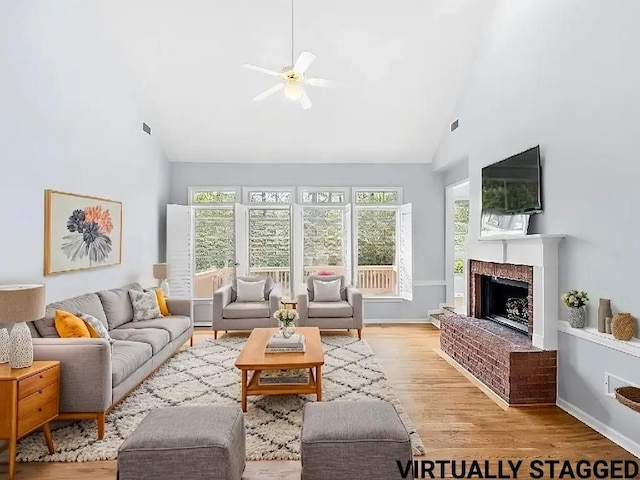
382	299
429	283
383	321
613	435
632	347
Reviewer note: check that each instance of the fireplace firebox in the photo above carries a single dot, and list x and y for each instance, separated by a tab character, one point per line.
505	301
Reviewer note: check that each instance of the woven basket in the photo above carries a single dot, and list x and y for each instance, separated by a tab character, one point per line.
622	326
629	396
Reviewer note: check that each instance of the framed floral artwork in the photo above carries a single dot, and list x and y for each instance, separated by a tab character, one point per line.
81	232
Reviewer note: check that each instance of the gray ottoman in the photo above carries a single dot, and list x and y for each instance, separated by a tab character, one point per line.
354	440
186	443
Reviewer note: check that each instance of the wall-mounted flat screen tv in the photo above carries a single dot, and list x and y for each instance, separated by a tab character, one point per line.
513	186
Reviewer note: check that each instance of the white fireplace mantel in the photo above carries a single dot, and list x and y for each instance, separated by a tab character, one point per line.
541	252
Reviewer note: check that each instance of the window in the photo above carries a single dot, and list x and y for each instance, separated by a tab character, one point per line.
269	196
269	239
323	196
323	234
213	196
377	197
263	231
214	249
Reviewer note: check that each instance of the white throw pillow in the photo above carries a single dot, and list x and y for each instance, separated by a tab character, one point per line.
326	291
250	291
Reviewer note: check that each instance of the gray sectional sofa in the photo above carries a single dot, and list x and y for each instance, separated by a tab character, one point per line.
96	375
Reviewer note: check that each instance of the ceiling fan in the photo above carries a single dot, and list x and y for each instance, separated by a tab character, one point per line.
293	78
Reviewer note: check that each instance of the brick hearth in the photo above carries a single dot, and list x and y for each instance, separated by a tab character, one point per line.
501	358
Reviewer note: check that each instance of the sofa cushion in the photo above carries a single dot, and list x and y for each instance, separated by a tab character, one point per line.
145	305
268	286
176	325
69	326
117	304
156	337
88	303
326	278
126	358
246	310
330	309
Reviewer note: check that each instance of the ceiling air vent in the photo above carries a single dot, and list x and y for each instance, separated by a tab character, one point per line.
454	125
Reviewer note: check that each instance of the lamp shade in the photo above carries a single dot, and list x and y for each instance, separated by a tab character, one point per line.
21	303
160	271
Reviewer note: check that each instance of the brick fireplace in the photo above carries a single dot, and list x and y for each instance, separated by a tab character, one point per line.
509	339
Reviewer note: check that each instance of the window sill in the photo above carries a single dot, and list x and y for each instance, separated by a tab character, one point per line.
383	299
632	347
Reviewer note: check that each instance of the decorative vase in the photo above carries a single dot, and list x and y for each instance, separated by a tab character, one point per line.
4	345
21	346
604	311
287	329
577	317
622	326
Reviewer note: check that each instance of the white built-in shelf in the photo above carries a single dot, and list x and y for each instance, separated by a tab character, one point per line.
632	347
515	238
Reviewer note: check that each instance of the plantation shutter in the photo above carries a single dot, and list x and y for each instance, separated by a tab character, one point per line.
297	267
346	244
242	239
405	257
179	250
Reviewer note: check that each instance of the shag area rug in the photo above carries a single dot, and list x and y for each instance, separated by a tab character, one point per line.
205	374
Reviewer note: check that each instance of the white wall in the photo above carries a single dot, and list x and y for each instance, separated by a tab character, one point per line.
69	122
565	75
421	187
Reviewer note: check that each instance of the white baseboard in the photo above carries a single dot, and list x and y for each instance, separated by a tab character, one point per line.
613	435
394	320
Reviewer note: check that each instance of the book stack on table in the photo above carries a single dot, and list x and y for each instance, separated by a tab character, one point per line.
278	343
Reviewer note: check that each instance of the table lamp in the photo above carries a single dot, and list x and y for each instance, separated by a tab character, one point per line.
160	273
20	304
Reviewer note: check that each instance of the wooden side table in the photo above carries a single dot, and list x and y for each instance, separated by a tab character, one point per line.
29	399
289	304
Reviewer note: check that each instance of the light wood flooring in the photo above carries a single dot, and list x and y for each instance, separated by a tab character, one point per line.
454	418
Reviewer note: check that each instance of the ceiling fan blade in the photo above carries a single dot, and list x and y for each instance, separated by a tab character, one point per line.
321	82
263	70
271	91
304	101
304	60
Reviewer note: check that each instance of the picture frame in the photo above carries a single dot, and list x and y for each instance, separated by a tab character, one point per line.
81	232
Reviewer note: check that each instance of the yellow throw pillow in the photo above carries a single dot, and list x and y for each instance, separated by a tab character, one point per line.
70	326
162	303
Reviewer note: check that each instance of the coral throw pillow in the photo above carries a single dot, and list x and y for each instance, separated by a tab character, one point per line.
70	326
162	303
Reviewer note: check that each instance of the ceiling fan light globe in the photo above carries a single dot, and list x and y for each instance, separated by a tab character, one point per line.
293	91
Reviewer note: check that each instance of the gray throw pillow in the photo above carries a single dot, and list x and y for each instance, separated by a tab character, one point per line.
97	325
145	305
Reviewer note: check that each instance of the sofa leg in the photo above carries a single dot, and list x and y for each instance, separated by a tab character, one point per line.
360	334
215	334
191	341
101	422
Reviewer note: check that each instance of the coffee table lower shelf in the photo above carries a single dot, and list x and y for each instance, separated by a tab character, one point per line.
252	387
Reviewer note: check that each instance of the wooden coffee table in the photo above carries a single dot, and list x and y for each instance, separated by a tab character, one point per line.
253	357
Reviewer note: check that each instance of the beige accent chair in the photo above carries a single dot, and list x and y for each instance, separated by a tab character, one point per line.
346	313
229	314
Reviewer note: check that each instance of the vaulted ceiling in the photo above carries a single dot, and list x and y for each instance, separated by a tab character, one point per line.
401	64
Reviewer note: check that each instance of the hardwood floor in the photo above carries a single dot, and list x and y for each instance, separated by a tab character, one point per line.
454	418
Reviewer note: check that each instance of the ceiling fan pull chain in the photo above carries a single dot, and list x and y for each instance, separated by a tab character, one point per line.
291	32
